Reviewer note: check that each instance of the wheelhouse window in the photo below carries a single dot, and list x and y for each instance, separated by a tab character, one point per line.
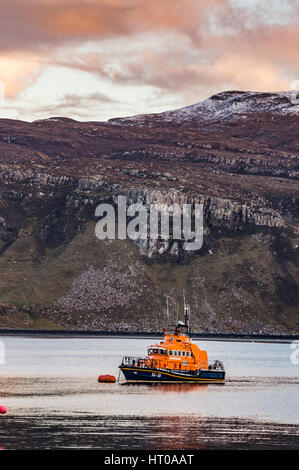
170	352
150	352
179	353
183	353
156	351
175	353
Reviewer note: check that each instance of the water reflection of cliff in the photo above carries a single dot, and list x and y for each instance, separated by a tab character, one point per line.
183	431
178	433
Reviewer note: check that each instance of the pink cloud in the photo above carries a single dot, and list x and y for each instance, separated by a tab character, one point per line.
195	46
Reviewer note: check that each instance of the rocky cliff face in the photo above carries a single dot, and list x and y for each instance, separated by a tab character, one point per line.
54	272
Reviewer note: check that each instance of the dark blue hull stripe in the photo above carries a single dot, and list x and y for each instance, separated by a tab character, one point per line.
134	374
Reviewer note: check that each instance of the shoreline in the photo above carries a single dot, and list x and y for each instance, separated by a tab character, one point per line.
146	335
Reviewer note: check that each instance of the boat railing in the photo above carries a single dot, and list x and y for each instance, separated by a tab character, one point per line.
216	365
133	361
181	366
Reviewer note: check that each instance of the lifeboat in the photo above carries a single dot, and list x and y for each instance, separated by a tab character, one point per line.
175	359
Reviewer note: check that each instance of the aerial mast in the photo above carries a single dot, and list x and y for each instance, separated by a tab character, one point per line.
167	307
187	315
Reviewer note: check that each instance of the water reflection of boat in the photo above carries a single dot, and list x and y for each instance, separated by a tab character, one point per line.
179	387
176	359
170	387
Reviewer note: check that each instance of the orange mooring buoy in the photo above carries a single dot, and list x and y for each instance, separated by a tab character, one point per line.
2	410
107	378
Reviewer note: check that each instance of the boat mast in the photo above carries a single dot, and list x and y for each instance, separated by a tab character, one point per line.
187	315
167	307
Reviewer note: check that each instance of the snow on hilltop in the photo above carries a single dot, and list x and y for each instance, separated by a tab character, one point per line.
219	107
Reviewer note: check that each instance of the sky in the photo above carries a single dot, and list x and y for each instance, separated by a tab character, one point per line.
92	60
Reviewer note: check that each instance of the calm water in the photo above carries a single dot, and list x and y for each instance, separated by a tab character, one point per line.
49	386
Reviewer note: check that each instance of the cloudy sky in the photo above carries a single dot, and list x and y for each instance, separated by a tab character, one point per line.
96	59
